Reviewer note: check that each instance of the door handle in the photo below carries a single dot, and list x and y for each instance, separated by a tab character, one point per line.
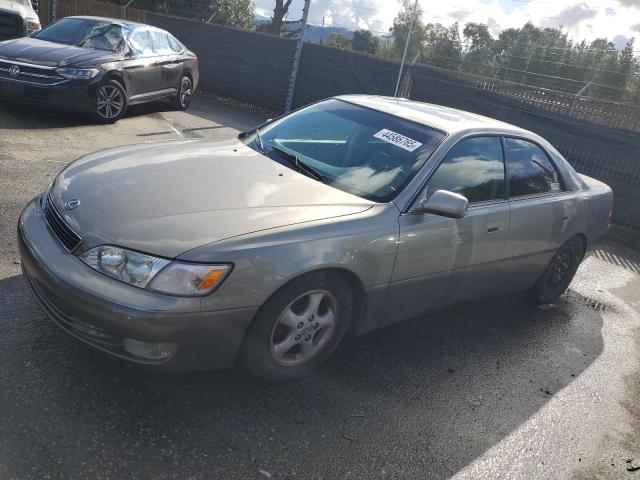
494	227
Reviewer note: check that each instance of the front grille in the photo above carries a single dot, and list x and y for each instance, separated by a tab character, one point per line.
69	239
11	26
30	73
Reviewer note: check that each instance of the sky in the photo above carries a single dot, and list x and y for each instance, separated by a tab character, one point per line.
617	20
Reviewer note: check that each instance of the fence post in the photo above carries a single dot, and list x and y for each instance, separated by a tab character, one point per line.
297	56
53	7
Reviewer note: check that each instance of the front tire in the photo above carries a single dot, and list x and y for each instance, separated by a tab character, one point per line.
559	273
298	328
111	103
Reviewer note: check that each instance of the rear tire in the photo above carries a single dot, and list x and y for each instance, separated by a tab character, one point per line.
559	273
182	99
111	102
298	328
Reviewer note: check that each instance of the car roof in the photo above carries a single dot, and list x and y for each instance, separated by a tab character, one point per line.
449	120
117	21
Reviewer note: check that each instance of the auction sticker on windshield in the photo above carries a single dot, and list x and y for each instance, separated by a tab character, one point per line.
398	140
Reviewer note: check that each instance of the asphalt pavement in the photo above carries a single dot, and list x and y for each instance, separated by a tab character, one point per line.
495	389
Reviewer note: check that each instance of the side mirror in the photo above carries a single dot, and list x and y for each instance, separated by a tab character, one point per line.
446	204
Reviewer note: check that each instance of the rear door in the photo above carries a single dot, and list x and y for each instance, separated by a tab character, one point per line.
442	260
145	74
542	211
169	61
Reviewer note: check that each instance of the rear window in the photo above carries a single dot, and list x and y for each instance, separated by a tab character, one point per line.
531	171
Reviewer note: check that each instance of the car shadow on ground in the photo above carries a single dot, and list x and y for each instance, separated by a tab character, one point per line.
428	395
28	117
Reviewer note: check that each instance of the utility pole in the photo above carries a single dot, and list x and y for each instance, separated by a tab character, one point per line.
297	56
322	32
53	11
406	47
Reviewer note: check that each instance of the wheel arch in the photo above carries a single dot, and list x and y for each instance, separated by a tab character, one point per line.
118	77
358	292
583	239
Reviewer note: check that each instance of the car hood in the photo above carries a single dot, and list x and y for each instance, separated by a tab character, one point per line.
50	54
25	12
166	199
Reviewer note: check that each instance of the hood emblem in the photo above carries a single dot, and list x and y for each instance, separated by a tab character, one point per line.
71	204
14	71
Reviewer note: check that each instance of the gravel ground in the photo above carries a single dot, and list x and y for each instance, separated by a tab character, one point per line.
493	389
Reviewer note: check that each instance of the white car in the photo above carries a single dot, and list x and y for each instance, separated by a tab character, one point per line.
17	19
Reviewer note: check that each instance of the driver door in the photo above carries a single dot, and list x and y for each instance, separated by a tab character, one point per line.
443	260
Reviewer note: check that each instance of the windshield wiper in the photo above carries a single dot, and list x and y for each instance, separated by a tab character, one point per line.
299	164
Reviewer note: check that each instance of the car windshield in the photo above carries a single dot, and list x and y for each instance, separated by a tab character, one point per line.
362	151
87	33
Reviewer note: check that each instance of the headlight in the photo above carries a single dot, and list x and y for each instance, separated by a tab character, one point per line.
33	26
153	273
77	73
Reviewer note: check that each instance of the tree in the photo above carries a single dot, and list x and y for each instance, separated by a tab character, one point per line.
234	13
478	58
443	46
400	31
338	40
365	41
278	24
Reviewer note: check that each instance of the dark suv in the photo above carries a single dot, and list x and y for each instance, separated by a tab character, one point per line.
103	66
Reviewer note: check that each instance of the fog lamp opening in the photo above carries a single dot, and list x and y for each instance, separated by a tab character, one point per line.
150	350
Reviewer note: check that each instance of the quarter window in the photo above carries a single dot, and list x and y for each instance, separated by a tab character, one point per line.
530	170
474	168
173	44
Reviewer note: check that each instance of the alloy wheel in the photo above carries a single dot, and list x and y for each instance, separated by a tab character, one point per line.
304	327
110	102
185	91
561	268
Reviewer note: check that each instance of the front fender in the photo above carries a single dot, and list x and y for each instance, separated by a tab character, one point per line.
364	244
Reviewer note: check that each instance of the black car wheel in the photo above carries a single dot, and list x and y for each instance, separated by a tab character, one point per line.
111	103
185	92
298	328
559	273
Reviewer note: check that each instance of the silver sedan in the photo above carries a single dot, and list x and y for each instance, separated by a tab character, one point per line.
344	216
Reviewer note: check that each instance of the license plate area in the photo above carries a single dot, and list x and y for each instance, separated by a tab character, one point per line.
12	89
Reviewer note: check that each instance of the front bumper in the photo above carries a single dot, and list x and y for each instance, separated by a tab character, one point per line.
67	95
102	312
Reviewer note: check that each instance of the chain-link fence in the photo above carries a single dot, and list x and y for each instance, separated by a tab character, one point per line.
599	137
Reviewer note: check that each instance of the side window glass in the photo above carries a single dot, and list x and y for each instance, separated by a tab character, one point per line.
173	44
142	44
161	43
474	168
530	170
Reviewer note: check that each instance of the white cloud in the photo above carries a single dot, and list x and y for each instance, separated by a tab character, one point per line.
581	19
570	16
